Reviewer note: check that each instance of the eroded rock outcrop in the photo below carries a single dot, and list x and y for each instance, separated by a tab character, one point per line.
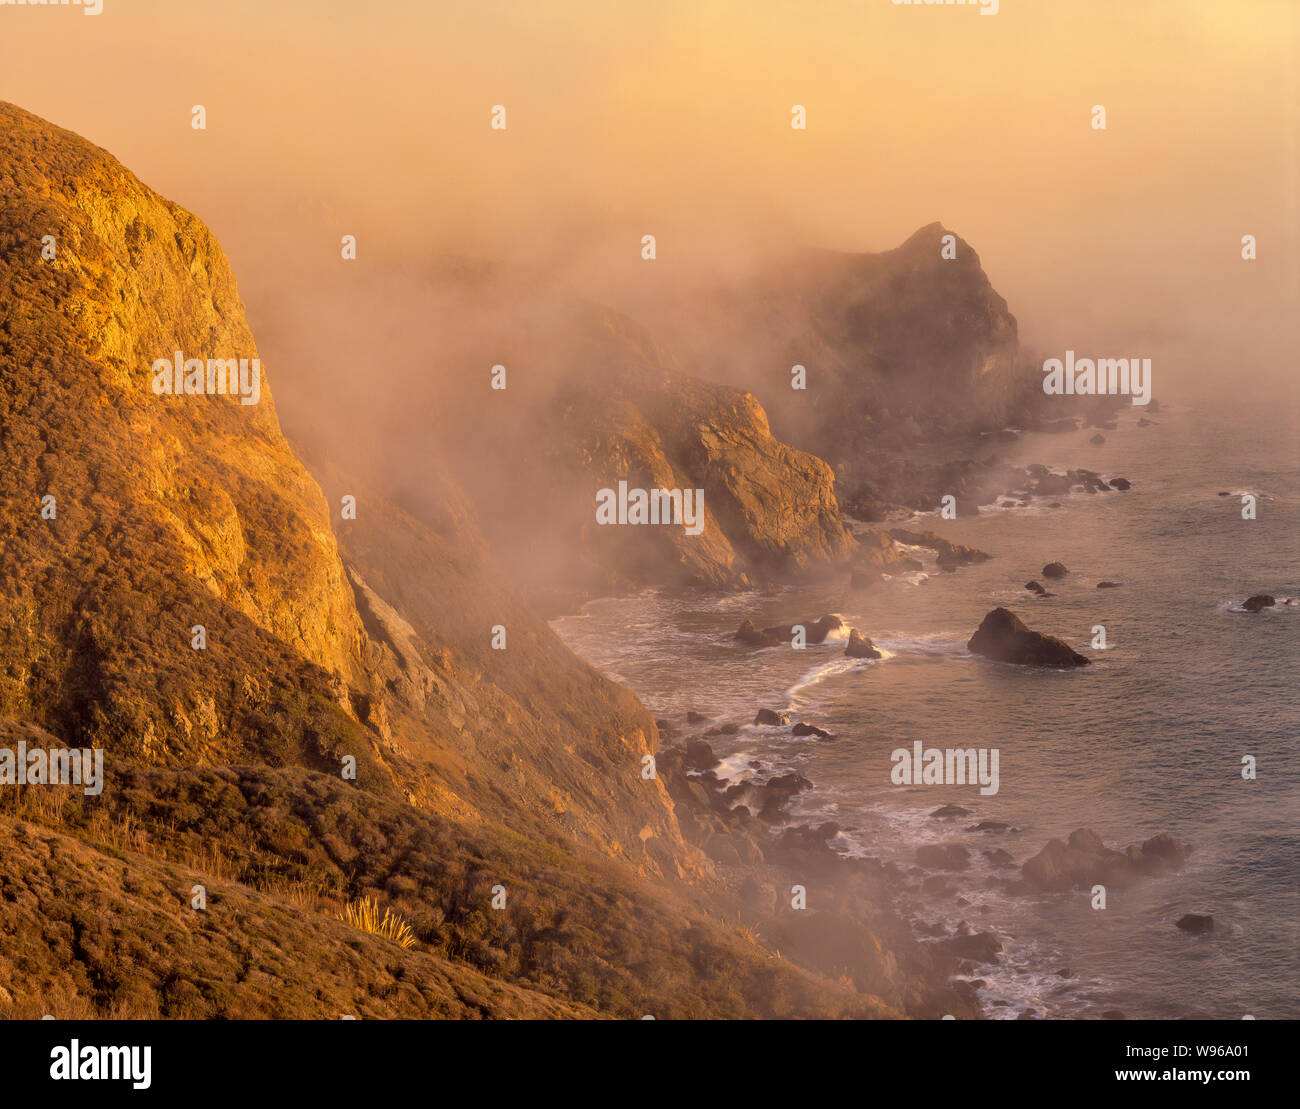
166	513
814	632
951	555
859	646
1003	636
1084	860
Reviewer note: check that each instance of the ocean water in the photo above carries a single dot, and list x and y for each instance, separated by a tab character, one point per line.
1148	739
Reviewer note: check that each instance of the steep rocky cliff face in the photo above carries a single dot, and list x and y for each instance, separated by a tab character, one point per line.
495	719
129	518
479	769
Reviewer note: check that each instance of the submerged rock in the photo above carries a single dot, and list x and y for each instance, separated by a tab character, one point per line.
1196	923
1055	570
1004	637
1108	584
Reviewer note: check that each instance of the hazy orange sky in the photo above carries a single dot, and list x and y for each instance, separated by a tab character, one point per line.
673	118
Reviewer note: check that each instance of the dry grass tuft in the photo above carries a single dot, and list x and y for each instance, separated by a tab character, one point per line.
364	914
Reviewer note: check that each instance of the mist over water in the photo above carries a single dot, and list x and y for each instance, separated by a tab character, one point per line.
1148	739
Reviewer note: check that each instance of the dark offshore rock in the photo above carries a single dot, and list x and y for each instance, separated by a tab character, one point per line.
998	857
771	718
1109	584
1196	923
698	755
1085	861
802	729
776	794
815	631
1055	570
951	555
1035	587
859	646
1258	602
752	637
1097	439
877	555
822	627
950	810
1121	483
1002	636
